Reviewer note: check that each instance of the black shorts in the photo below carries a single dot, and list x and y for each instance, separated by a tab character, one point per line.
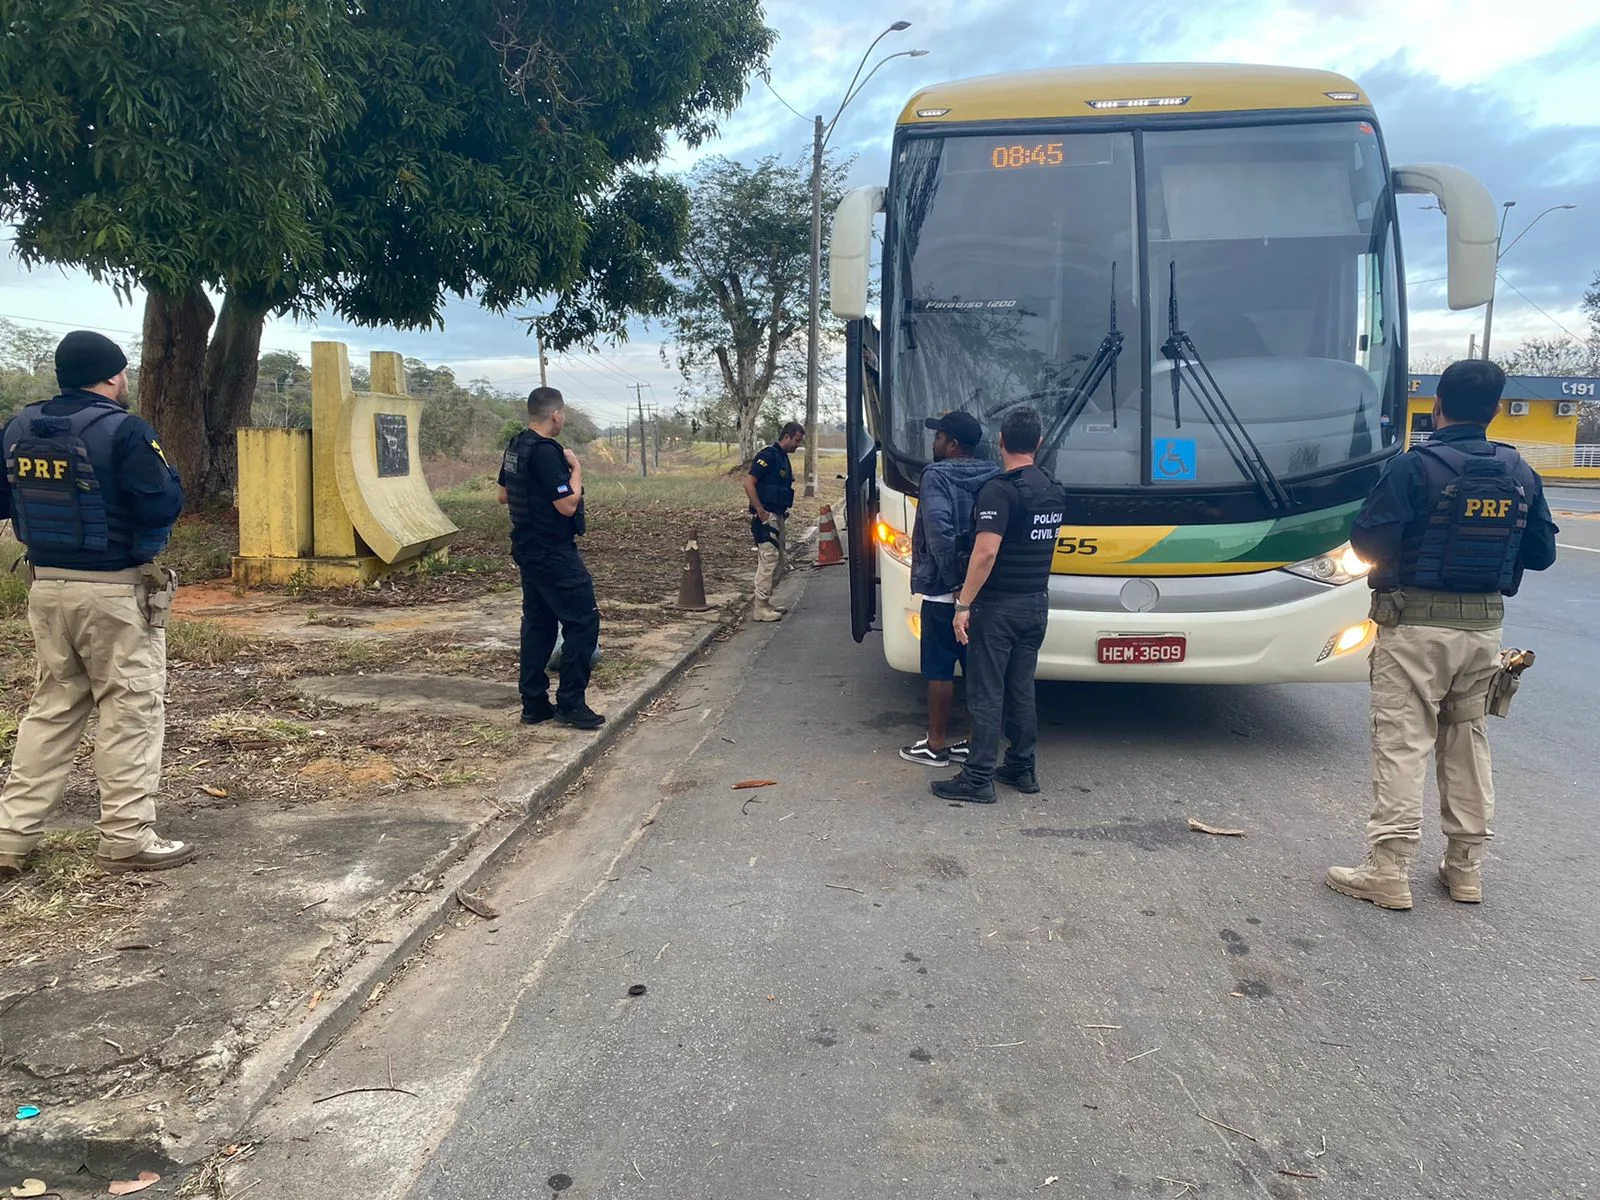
940	650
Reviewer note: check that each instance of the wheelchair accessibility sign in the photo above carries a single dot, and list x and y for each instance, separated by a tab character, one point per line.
1174	458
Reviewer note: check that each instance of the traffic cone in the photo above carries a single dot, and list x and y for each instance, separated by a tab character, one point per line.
692	586
829	549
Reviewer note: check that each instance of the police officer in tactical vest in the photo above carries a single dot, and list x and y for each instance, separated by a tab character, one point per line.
542	484
91	497
769	484
1449	530
1001	613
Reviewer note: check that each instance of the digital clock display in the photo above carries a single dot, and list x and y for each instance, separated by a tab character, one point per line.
1013	156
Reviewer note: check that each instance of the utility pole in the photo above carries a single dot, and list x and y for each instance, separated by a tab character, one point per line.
1505	211
638	391
812	331
544	363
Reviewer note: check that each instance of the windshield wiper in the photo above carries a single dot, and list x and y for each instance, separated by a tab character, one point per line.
1103	363
1241	447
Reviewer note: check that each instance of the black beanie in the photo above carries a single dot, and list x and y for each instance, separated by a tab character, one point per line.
84	358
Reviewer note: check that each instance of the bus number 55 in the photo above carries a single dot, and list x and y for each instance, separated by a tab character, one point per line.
1078	545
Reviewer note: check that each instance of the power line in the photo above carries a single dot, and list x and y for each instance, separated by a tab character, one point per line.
611	368
784	102
1541	311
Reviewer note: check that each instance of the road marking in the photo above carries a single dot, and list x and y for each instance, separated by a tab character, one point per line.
1585	549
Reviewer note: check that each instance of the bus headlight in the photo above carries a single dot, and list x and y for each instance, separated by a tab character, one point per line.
896	543
1337	566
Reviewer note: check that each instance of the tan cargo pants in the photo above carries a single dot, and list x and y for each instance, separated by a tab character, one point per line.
1428	690
769	560
96	651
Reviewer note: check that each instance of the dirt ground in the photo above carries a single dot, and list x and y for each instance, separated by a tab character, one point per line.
257	719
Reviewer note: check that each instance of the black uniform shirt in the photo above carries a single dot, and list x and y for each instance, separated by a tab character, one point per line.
547	479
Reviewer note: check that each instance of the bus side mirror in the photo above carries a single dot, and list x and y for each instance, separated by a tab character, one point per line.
850	252
1470	227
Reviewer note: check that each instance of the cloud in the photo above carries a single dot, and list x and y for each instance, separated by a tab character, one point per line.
1509	97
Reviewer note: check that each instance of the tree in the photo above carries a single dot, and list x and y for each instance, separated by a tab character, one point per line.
369	159
742	298
282	393
173	145
1551	356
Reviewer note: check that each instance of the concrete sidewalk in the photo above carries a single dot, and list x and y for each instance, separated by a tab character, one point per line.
151	1046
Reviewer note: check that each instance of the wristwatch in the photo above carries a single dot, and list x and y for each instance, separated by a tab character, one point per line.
961	607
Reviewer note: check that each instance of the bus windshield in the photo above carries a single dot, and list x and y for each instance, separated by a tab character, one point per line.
1018	269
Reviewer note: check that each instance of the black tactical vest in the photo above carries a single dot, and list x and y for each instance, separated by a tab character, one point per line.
1472	536
1028	546
534	519
66	497
775	489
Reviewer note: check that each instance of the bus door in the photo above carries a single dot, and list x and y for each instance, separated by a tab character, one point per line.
861	477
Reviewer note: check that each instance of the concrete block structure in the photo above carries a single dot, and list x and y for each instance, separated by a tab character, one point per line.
345	501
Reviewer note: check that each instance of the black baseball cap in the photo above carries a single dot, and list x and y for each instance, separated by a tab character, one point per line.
959	426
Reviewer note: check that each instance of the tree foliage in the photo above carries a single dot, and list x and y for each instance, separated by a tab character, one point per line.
1552	356
743	297
372	159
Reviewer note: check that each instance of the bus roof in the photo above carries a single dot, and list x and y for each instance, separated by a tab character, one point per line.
1072	91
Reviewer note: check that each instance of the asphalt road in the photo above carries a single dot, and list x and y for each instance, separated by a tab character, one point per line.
855	990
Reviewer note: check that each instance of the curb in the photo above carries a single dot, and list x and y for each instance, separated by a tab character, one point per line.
108	1141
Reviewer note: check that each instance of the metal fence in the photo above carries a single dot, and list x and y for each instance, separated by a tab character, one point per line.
1543	456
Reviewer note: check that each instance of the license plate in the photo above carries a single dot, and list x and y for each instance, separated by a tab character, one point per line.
1143	651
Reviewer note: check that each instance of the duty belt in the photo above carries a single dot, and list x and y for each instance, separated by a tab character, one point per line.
1449	610
157	585
134	575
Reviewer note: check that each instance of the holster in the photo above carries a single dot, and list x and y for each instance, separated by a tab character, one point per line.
1504	683
158	587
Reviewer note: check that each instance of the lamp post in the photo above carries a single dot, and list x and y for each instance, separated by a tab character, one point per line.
1505	211
819	142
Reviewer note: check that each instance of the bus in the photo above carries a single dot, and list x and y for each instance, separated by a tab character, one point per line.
1194	274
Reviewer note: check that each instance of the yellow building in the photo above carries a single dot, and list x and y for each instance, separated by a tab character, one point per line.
1539	416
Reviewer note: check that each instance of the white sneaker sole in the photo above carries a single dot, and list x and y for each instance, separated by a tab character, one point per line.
929	762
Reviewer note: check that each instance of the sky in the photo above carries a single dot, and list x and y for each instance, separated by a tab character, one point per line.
1506	90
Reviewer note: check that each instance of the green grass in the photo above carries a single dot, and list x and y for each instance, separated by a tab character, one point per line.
203	642
663	492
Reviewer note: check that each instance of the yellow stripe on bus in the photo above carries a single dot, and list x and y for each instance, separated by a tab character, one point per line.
1083	549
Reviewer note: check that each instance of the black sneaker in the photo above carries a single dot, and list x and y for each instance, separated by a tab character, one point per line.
580	717
959	750
537	713
962	789
920	752
1021	778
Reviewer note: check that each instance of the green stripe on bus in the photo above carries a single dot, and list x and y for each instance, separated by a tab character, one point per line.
1306	535
1206	543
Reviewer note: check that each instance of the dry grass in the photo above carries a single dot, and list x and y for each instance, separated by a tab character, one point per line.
62	901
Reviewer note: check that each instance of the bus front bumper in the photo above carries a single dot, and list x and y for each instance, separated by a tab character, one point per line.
1323	637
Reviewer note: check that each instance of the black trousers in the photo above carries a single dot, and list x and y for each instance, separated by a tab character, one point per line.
557	591
1002	654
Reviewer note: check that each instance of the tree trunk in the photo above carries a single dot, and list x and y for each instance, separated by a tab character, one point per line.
230	387
749	416
171	382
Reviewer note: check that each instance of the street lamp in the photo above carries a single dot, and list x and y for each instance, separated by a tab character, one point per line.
1505	211
821	134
